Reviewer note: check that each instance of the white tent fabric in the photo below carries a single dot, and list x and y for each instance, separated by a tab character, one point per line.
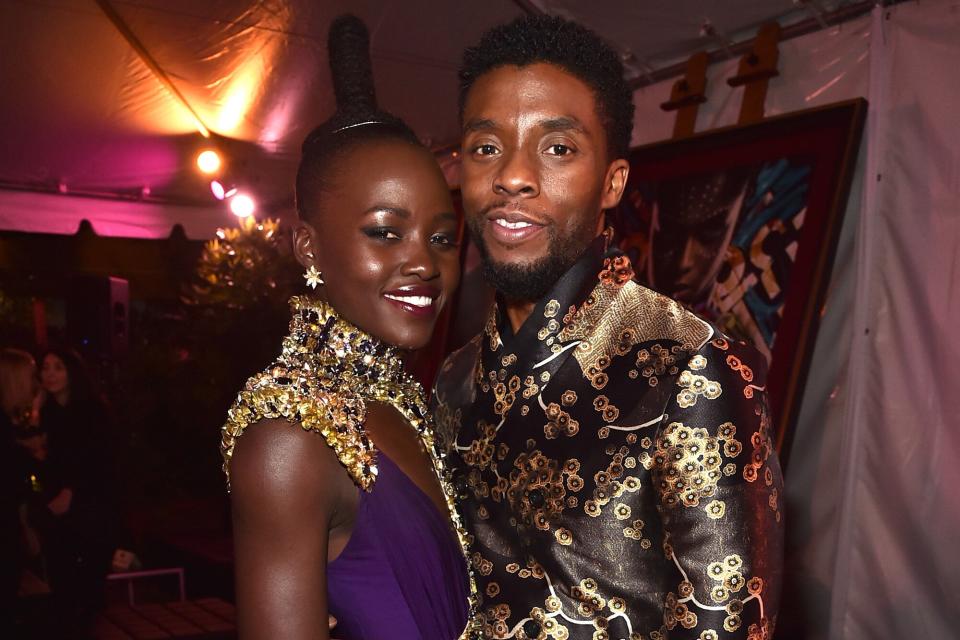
874	469
900	451
83	111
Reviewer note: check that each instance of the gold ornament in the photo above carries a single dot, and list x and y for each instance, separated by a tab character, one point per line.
313	277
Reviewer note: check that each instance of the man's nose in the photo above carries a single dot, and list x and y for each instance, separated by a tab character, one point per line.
518	177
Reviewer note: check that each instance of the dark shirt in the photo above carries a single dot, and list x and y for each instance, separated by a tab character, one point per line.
615	468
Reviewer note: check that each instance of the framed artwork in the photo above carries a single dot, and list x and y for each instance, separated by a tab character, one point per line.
740	224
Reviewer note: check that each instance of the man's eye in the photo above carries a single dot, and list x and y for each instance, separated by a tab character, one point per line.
559	150
485	150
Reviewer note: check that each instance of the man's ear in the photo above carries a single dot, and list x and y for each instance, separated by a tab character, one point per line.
614	183
305	246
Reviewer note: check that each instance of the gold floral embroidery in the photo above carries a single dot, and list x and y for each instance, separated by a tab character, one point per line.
690	460
676	612
695	386
716	509
551	309
530	387
559	421
537	489
635	532
745	372
607	411
658	361
727	574
598	325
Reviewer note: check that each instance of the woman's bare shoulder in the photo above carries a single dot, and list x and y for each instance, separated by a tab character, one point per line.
278	462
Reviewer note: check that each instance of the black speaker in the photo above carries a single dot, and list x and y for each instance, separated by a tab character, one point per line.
98	315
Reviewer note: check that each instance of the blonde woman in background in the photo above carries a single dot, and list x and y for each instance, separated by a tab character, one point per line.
19	402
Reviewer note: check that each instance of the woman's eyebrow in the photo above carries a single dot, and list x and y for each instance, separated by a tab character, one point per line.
447	215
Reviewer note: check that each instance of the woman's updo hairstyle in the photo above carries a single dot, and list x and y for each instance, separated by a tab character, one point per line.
357	118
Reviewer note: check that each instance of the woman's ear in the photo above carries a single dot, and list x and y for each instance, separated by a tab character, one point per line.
305	247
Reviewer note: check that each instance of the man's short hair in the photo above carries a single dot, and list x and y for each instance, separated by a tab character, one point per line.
570	46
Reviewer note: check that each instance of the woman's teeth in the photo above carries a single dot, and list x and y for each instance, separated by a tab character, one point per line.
416	301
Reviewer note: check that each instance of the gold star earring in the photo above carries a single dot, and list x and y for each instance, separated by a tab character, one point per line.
313	277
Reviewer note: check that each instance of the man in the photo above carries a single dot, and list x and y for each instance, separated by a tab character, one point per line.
611	451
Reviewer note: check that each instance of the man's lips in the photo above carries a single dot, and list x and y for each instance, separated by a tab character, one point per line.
513	227
417	299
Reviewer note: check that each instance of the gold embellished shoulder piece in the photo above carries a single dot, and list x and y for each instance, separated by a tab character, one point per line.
337	417
620	313
326	373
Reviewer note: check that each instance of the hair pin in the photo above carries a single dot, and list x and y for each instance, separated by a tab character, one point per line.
357	124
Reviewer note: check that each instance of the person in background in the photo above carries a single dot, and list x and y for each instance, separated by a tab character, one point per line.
74	510
18	414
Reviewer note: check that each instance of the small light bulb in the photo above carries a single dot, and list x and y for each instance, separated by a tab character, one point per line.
208	161
242	205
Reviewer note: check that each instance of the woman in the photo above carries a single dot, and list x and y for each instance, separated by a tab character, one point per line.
75	516
340	501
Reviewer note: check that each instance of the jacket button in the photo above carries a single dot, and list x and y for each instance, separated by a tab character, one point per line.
531	628
536	498
462	487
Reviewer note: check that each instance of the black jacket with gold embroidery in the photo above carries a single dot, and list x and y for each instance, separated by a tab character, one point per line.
614	468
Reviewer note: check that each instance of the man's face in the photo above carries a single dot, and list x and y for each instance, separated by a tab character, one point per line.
536	174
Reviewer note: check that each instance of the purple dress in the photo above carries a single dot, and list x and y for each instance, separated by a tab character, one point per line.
402	573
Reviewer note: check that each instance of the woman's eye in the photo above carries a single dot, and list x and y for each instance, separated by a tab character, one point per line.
382	233
559	150
444	239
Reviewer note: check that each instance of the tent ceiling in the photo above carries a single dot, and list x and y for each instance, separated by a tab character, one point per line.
81	111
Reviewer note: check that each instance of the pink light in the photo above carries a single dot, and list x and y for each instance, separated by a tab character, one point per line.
220	192
242	205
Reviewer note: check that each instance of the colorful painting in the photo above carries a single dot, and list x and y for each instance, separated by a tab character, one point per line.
740	225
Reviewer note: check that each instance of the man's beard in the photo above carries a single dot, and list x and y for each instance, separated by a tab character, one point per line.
531	281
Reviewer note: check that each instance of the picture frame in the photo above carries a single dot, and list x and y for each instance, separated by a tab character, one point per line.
741	225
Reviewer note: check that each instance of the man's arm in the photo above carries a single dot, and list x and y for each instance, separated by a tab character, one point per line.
283	501
721	497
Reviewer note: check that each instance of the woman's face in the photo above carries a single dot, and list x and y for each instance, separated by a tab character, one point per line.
385	241
21	395
53	374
